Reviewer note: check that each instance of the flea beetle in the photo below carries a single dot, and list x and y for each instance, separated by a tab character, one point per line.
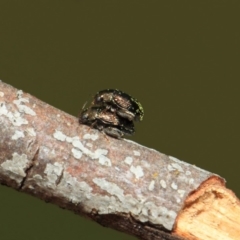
123	104
106	121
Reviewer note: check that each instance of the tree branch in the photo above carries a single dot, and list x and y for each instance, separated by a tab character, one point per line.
118	183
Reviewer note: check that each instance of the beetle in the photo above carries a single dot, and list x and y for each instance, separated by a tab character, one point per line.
106	121
111	131
123	104
93	114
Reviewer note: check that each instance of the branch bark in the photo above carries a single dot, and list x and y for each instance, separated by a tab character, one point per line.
118	183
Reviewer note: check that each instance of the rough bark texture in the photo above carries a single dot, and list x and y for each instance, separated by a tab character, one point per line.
118	183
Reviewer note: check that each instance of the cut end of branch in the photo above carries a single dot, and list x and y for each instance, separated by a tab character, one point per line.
210	212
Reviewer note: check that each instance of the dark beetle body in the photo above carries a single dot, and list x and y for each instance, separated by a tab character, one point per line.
90	115
111	131
113	112
106	121
123	104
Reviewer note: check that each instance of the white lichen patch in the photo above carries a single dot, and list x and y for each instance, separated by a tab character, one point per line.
76	192
163	183
175	159
128	160
191	181
136	153
101	151
118	169
15	167
151	212
110	187
59	136
69	139
1	94
89	145
17	134
76	153
78	144
178	200
99	154
3	109
92	137
23	108
151	185
31	132
175	166
37	177
137	171
145	164
181	192
103	160
14	117
53	172
174	186
20	103
19	93
188	173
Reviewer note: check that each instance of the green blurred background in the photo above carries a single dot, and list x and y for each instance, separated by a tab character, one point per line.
179	58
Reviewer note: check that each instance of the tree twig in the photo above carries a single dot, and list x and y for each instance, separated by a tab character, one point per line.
118	183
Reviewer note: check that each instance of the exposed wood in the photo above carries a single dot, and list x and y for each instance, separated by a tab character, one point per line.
212	212
118	183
